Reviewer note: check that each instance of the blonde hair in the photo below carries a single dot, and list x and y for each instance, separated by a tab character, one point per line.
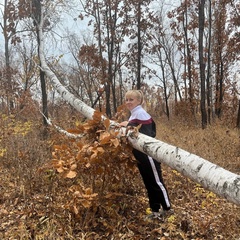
138	94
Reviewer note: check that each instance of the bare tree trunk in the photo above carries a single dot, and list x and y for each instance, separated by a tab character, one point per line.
219	89
8	83
164	84
37	18
189	57
170	57
202	64
212	177
238	116
209	87
139	45
219	54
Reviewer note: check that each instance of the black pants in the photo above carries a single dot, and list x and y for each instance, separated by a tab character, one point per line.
151	173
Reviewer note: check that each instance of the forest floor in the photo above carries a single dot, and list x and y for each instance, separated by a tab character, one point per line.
35	203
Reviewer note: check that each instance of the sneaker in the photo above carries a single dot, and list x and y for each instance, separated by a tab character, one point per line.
153	215
161	215
166	213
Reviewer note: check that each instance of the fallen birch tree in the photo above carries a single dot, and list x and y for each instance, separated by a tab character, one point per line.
212	177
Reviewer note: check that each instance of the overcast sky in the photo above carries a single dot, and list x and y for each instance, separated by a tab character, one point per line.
70	21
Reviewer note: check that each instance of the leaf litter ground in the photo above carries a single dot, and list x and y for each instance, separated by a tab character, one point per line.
41	205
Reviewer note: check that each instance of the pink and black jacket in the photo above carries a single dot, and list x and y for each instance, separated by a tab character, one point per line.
140	116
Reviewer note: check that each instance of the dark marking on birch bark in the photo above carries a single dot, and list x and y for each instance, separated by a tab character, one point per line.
225	186
236	183
157	149
199	167
145	146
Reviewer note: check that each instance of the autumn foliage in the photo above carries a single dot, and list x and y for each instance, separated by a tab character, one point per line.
96	159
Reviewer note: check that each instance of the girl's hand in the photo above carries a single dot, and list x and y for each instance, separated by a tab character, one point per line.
123	124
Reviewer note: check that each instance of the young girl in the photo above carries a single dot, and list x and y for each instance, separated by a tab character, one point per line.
149	168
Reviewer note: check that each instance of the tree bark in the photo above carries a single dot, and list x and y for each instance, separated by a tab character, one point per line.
37	18
139	45
238	115
202	63
212	177
209	70
188	58
66	95
9	83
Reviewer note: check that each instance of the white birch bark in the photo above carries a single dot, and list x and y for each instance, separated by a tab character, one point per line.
209	175
65	94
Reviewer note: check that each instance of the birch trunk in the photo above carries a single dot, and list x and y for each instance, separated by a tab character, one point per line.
210	176
66	95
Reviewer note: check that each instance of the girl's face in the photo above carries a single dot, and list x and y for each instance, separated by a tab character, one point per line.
131	102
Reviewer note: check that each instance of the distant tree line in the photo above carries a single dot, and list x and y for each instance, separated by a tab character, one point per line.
183	57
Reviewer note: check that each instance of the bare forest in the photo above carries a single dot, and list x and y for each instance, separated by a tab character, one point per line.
64	69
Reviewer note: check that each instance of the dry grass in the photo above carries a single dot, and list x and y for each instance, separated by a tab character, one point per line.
217	144
35	204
